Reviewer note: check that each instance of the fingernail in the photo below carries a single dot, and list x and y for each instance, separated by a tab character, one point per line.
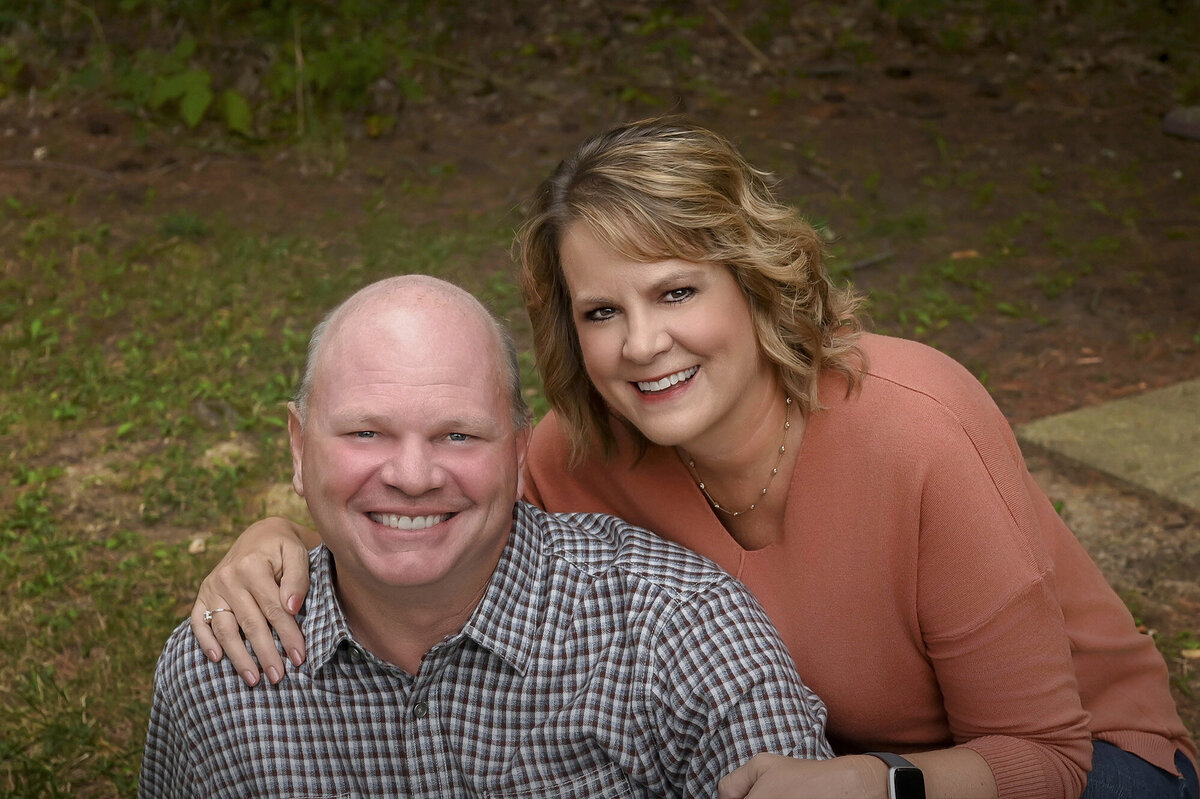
212	655
296	657
273	675
293	604
251	677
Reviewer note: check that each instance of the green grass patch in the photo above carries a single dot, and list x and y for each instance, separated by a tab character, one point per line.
144	370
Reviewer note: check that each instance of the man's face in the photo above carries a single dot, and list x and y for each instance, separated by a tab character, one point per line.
408	457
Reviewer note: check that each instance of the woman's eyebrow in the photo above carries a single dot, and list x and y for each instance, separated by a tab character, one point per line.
682	274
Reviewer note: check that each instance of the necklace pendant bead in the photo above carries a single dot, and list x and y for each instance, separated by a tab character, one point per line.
691	462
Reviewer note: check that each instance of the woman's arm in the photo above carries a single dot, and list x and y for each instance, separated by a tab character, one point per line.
262	582
949	774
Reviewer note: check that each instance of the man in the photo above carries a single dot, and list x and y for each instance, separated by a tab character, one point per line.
461	642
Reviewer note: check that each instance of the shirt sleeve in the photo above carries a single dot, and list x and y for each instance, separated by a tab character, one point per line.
723	688
164	773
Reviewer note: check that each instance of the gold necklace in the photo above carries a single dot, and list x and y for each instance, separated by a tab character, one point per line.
691	462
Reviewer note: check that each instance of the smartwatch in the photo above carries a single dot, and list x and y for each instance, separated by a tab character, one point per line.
905	781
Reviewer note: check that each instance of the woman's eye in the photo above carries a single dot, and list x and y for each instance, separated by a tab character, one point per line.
600	314
679	295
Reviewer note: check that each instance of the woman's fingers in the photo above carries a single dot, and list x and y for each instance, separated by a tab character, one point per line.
259	585
218	634
200	628
289	598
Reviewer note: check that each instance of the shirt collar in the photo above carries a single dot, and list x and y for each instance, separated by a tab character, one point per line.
324	625
506	621
513	607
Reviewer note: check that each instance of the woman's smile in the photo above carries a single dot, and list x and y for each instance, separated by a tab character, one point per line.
670	345
661	385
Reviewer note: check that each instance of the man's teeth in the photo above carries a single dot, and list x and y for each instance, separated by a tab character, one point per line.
649	386
408	522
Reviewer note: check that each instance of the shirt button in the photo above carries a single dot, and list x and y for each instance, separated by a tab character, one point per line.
420	710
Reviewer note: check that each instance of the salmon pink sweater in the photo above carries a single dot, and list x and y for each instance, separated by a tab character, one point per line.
926	587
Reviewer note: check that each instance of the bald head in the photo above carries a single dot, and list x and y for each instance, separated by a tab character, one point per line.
435	301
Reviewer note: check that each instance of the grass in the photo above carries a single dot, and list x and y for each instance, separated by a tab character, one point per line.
145	359
145	368
144	364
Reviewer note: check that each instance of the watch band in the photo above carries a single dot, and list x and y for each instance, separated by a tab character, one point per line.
905	781
893	761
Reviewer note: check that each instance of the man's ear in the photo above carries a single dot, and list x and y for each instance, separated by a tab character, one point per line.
523	436
296	437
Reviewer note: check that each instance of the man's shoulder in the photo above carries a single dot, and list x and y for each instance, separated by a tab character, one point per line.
599	544
183	670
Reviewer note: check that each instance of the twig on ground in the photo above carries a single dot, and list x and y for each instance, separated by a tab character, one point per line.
871	260
823	177
60	165
759	57
299	74
482	74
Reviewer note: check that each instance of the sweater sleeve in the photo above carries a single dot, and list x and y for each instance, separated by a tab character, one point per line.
991	620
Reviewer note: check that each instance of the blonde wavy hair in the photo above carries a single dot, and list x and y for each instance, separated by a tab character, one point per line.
665	188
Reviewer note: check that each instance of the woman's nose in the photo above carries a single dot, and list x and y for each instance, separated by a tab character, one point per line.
645	338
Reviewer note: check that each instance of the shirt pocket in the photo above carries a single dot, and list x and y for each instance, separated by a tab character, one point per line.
606	781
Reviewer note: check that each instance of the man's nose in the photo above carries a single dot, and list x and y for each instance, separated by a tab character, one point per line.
411	468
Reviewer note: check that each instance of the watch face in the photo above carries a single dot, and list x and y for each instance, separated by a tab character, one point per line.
907	783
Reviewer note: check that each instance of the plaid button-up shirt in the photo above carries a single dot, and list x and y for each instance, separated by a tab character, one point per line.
602	661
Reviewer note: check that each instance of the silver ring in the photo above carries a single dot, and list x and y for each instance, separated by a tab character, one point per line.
208	614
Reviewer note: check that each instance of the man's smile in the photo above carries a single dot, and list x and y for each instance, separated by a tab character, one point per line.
409	522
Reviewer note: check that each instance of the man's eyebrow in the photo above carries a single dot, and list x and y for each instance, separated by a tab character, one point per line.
470	421
359	418
368	419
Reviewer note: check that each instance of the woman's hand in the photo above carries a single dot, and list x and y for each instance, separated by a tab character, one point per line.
778	777
261	582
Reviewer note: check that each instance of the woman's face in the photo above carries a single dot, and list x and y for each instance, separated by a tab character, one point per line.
670	345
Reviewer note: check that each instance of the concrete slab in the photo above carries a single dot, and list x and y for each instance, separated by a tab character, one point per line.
1151	440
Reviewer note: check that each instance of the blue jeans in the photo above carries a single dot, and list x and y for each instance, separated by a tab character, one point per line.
1117	774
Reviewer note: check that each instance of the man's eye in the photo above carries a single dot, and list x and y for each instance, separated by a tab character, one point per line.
365	434
458	437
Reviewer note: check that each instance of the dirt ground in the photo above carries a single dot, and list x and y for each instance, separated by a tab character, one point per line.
1069	137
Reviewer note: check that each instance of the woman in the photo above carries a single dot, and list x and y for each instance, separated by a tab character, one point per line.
710	383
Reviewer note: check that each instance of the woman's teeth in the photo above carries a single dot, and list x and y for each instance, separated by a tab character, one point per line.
408	522
650	386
